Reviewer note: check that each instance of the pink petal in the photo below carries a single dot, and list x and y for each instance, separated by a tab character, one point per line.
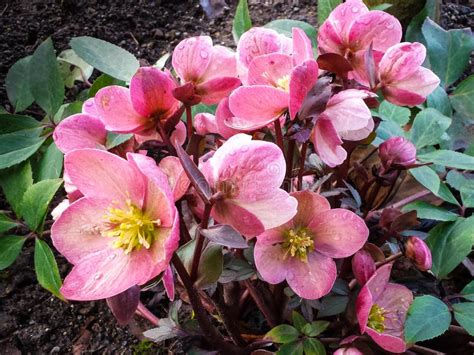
401	61
244	221
303	78
168	282
164	245
387	341
364	303
395	299
205	123
359	134
338	233
379	281
115	109
270	69
151	92
223	114
312	279
214	90
80	131
309	204
328	143
191	57
271	262
89	108
223	64
377	27
103	175
302	49
274	235
402	97
357	61
177	178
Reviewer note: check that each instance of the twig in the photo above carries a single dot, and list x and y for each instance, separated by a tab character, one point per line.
262	306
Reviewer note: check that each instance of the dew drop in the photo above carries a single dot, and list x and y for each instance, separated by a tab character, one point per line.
204	54
389	26
97	276
181	46
355	9
337	238
112	256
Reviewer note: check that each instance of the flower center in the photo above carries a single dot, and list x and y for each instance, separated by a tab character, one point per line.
376	318
298	242
132	228
284	83
228	188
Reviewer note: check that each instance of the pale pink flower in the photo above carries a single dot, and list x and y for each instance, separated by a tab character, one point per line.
346	117
177	178
248	175
301	251
206	123
122	232
381	309
211	69
348	351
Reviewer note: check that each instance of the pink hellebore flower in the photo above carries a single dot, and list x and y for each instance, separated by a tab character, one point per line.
348	351
346	117
402	78
418	252
124	230
137	110
211	69
248	174
397	151
276	82
363	266
206	123
177	178
381	309
302	250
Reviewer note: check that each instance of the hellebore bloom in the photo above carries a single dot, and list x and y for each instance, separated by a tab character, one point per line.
177	178
418	252
137	110
348	351
402	78
397	151
206	123
212	70
381	309
248	175
363	266
124	230
346	117
302	250
276	82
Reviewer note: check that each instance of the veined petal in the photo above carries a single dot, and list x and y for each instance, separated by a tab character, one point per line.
327	143
244	221
271	69
223	64
214	90
303	78
271	262
223	114
302	49
309	204
401	61
191	57
177	178
387	342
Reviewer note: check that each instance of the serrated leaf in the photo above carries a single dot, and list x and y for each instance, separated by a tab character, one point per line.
298	320
106	57
325	7
448	158
464	315
6	223
312	346
242	22
46	268
10	248
429	179
15	181
17	83
282	334
462	98
428	127
46	84
427	211
51	163
393	113
284	26
468	291
428	317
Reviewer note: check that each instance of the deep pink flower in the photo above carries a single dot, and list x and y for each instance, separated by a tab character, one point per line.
381	309
248	174
397	151
211	69
206	123
419	253
348	351
122	232
302	250
363	266
402	78
346	117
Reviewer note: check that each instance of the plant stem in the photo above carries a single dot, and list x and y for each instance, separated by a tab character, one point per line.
409	199
145	313
262	306
304	148
189	122
389	259
164	136
231	325
279	134
289	164
200	241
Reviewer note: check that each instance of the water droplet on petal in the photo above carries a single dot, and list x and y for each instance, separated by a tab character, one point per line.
112	256
355	9
97	276
181	46
204	54
389	26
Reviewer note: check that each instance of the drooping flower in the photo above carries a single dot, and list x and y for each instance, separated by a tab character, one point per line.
346	117
212	70
381	309
302	250
363	266
419	253
206	123
397	151
248	175
122	232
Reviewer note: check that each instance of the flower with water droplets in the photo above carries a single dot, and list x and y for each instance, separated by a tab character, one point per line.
301	251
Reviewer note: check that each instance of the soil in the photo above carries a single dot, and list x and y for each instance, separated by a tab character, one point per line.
31	320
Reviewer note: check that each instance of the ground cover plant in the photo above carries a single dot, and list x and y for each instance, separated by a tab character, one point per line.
273	189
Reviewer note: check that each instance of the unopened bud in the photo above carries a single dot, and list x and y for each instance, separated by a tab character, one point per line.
418	252
397	151
363	266
348	351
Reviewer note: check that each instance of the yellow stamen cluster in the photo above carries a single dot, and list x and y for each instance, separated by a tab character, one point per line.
284	83
376	318
298	242
132	228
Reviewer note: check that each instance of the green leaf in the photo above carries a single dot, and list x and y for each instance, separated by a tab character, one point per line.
312	346
325	7
103	81
413	33
6	223
67	110
293	348
429	179
106	57
462	98
298	321
427	318
427	211
284	26
282	334
381	7
73	68
448	158
10	248
464	315
468	291
13	123
242	22
315	328
15	181
428	127
450	243
387	129
201	108
115	139
439	100
46	84
393	113
51	163
46	269
332	305
36	201
448	51
17	84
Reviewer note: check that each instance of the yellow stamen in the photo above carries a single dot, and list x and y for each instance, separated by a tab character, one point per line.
376	318
298	242
284	83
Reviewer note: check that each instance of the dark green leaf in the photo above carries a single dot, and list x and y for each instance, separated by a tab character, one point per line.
103	81
13	123
284	26
325	7
17	84
18	146
428	127
463	97
51	163
468	291
312	346
464	315
298	321
427	318
427	211
293	348
332	305
315	328
282	334
393	113
46	268
439	100
46	84
429	179
6	223
242	22
448	158
106	57
413	33
115	139
10	248
15	181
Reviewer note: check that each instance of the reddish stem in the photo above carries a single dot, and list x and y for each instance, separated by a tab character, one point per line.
200	242
279	134
145	313
189	122
304	148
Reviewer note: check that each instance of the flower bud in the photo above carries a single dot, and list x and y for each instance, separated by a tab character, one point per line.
397	151
418	252
363	266
348	351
